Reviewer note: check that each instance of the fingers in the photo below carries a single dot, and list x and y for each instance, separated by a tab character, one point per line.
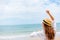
47	11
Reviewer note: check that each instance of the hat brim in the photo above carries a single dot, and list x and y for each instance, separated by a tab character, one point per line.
46	23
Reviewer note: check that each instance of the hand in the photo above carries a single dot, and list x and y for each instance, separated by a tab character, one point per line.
47	11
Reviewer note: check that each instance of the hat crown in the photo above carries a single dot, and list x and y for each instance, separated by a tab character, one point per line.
47	21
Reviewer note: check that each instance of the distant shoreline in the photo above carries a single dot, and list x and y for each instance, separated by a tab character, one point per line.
31	24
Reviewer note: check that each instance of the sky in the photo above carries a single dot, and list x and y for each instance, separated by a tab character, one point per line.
16	12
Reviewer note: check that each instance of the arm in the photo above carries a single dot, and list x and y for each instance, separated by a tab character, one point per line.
37	34
34	34
48	12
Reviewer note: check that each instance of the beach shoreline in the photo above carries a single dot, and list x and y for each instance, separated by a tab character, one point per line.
24	37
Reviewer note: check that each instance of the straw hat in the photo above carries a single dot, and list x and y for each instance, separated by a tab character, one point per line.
47	22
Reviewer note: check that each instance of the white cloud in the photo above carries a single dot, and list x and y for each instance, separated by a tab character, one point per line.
14	7
27	10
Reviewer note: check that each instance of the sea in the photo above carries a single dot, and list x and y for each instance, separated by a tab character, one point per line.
19	32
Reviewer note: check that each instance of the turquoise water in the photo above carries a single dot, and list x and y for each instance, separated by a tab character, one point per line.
21	29
18	29
58	27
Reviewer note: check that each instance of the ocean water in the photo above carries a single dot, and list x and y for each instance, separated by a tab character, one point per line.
58	27
18	31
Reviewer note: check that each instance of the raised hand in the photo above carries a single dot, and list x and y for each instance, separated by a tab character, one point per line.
48	12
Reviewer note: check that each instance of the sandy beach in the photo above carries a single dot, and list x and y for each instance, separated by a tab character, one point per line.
57	38
23	38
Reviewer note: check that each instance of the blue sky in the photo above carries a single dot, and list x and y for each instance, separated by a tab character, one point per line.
15	12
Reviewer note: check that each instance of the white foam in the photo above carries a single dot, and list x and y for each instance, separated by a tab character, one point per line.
58	34
18	37
10	37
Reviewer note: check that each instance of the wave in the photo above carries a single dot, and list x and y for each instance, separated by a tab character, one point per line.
14	36
20	37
